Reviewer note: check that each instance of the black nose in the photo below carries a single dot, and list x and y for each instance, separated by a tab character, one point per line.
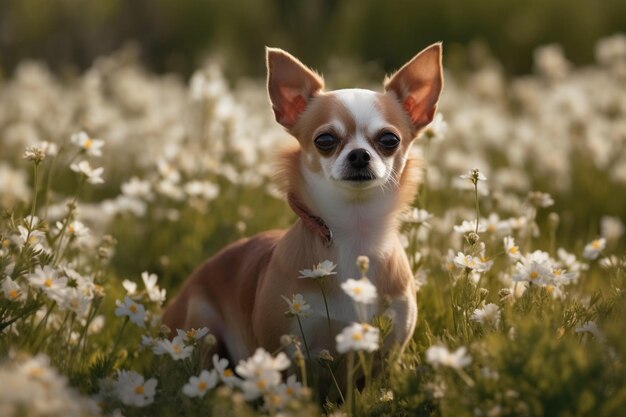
359	158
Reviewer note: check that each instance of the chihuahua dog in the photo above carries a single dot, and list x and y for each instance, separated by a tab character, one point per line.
347	180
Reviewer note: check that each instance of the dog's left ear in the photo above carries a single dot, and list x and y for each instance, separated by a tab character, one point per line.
290	85
418	85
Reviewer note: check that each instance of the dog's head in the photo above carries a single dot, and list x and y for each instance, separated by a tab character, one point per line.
356	139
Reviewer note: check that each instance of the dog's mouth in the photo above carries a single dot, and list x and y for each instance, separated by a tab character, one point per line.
360	178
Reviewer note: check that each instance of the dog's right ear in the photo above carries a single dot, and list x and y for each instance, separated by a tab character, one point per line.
290	85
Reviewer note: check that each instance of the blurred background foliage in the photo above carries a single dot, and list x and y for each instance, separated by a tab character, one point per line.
176	36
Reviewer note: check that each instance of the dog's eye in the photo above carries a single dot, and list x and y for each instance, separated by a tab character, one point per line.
326	142
389	141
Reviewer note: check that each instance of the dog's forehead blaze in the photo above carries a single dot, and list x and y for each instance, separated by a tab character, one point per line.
349	111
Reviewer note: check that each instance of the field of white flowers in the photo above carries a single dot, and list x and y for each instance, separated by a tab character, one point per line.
115	183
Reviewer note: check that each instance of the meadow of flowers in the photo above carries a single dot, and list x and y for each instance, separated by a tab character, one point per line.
115	183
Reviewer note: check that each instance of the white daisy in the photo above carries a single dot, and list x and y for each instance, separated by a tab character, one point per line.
199	385
440	355
133	390
135	311
592	249
93	176
321	270
175	347
92	147
360	290
225	373
358	337
488	315
297	305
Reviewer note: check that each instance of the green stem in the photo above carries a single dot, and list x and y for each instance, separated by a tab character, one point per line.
306	346
109	362
321	284
332	375
477	208
350	387
34	206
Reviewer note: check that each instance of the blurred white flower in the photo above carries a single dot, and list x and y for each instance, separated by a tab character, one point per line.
488	315
47	279
297	305
202	189
192	334
92	147
11	290
155	294
511	249
416	216
138	188
440	355
134	311
468	226
592	249
133	390
532	271
261	373
612	228
611	50
176	348
494	225
130	287
225	373
472	262
436	130
93	176
474	175
321	270
199	385
358	337
539	199
360	290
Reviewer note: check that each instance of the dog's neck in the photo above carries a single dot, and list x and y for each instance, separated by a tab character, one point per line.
362	222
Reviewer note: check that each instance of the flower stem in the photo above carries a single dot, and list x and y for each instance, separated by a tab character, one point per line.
321	284
306	346
332	375
477	208
109	361
350	386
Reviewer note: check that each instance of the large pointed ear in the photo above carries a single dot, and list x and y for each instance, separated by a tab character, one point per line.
290	85
418	85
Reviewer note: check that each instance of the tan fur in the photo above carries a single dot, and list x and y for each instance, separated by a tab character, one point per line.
236	293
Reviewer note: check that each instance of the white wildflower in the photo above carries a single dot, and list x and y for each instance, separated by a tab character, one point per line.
93	176
176	348
297	305
199	385
321	270
225	373
488	315
134	311
92	147
358	337
440	355
592	249
133	390
360	290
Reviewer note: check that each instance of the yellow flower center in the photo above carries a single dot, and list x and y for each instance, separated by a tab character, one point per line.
534	274
514	249
491	228
139	389
35	372
202	386
132	308
88	144
192	333
261	384
32	240
47	282
13	294
296	307
228	373
176	348
289	391
550	289
357	336
596	244
357	290
6	243
557	272
276	400
71	229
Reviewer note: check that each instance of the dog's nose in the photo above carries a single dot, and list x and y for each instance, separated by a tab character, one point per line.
359	158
